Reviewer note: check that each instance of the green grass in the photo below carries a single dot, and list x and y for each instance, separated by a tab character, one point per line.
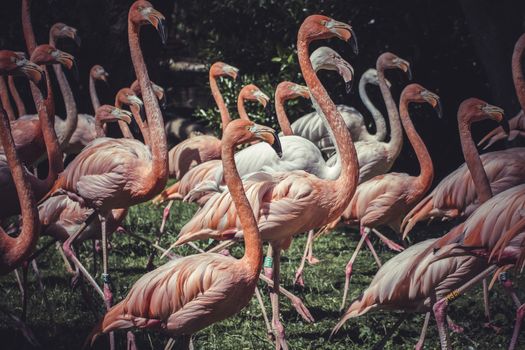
71	319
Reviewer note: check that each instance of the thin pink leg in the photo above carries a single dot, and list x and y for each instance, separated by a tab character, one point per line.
108	295
440	313
280	336
349	266
454	327
520	313
422	336
165	216
130	341
488	317
299	273
312	260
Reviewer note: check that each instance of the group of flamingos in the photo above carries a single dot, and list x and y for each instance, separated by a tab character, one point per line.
324	170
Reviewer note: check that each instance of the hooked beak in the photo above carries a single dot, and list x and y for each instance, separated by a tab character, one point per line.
104	77
66	60
434	101
123	115
497	114
344	32
158	20
303	91
269	136
405	66
262	98
72	34
134	100
232	72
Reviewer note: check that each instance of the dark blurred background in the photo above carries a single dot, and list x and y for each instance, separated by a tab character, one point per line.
457	49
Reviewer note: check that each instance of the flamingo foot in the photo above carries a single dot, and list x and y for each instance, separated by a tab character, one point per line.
312	260
280	336
98	246
299	278
301	309
454	327
491	325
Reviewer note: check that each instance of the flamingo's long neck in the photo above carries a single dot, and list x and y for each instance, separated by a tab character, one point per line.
252	239
159	174
517	71
13	251
30	40
93	93
219	100
240	107
20	106
425	162
69	101
4	96
124	128
346	183
379	120
143	125
474	164
47	120
396	133
284	123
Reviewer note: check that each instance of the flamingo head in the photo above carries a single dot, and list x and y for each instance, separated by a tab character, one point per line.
328	59
371	77
98	72
16	63
286	90
61	31
245	131
221	69
142	12
46	54
318	27
389	60
251	92
418	94
128	97
107	113
473	110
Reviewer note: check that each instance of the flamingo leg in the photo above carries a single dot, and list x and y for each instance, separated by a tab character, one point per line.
25	294
299	273
94	250
160	233
508	286
72	257
488	317
131	344
273	272
47	303
454	327
440	313
269	331
349	265
373	251
108	295
422	336
67	264
520	313
312	260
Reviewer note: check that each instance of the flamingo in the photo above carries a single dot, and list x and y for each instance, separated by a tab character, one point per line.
6	102
517	124
204	288
14	250
385	199
288	203
30	133
109	173
393	288
196	150
20	106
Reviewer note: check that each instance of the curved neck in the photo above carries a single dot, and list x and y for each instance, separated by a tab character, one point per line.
13	251
30	40
93	93
425	162
241	109
396	134
157	134
100	128
517	71
349	175
219	100
379	120
143	125
4	96
20	106
124	128
474	164
284	123
252	239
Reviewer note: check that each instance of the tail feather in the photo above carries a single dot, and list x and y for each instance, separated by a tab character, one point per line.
359	306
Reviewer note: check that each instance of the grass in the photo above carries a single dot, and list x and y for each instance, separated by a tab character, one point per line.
71	319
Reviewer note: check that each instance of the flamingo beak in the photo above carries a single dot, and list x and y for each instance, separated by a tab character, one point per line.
104	77
158	20
269	136
72	34
261	97
35	74
344	32
231	71
434	101
121	114
405	66
497	114
303	91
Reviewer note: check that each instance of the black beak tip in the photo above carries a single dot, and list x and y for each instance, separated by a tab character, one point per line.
409	73
75	71
277	145
349	86
353	43
78	41
162	31
439	110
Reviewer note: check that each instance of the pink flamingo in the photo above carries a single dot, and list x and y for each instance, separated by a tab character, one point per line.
204	288
517	124
14	250
29	133
203	148
109	173
385	199
288	203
